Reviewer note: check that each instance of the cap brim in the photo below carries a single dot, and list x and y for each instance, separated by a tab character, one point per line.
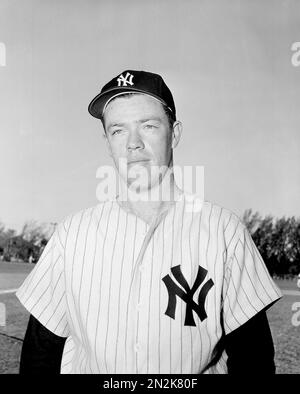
98	103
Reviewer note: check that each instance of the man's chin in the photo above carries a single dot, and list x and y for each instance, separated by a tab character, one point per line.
143	163
139	192
138	188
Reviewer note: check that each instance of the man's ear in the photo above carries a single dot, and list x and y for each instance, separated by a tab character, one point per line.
176	135
104	137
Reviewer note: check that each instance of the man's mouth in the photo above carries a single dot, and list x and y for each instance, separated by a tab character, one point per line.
137	161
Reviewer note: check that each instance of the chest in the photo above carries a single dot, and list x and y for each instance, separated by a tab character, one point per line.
135	296
119	267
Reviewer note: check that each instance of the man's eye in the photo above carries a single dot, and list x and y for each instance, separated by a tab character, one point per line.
149	126
118	131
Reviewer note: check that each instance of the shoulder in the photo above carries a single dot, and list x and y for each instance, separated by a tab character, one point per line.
213	214
232	229
82	220
218	222
229	221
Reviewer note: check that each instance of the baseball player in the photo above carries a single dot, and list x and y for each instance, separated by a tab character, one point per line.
147	286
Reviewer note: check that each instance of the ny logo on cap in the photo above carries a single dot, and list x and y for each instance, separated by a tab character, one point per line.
124	81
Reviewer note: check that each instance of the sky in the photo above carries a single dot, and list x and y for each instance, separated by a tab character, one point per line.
228	64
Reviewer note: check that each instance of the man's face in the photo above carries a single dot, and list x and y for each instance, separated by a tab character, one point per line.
137	129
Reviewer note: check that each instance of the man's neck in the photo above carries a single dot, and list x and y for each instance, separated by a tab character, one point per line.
148	208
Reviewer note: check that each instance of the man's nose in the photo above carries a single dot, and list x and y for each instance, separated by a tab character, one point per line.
134	141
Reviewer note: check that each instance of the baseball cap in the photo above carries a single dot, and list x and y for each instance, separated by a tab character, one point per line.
131	81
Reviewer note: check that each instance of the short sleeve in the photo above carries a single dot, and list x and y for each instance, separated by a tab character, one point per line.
43	291
248	287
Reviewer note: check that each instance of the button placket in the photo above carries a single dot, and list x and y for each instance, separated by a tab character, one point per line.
138	271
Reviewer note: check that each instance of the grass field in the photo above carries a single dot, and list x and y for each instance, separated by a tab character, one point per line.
286	336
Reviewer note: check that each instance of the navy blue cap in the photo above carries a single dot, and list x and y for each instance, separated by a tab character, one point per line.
131	81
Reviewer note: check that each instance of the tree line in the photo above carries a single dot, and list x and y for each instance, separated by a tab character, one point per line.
28	245
278	241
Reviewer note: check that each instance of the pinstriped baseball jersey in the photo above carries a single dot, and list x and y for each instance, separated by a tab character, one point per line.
146	298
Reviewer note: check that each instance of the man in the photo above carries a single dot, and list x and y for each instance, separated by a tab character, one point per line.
147	285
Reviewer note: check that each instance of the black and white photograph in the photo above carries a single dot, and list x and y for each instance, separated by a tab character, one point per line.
150	189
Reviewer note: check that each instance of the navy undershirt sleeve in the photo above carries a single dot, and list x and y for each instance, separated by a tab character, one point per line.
250	348
42	350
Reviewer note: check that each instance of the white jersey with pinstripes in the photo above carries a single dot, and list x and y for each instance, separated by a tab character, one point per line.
95	286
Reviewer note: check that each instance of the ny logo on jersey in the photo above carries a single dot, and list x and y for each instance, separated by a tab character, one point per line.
124	81
187	295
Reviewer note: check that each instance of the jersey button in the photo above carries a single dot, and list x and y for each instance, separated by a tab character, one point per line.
136	347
